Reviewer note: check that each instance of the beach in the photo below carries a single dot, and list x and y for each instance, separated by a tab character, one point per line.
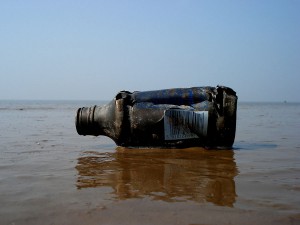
51	175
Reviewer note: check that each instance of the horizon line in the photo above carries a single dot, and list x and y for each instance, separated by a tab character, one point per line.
105	100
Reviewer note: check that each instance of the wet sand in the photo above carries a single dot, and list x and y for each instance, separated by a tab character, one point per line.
51	175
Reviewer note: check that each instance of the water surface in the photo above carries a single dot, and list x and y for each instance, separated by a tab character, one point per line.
51	175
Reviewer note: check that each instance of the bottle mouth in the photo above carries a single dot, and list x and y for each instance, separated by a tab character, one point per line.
84	121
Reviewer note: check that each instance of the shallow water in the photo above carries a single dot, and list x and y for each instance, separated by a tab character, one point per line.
51	175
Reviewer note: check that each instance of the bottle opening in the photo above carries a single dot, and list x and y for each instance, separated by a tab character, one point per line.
85	123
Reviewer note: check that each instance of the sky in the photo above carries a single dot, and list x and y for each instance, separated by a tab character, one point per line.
92	49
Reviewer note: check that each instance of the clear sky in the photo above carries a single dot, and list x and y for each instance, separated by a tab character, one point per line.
91	49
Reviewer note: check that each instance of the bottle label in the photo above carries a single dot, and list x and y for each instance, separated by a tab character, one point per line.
183	124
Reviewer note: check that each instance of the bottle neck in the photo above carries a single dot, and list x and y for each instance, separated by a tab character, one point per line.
99	120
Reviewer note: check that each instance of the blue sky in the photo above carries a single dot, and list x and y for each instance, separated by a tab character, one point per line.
93	49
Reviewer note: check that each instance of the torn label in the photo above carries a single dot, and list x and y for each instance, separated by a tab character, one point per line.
183	124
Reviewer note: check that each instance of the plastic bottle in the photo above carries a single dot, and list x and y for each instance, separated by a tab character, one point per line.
169	118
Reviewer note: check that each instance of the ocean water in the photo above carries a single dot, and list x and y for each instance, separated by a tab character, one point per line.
51	175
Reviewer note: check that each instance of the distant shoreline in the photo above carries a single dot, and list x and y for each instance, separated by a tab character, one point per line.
104	101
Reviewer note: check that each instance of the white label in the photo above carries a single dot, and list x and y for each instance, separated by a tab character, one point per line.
183	124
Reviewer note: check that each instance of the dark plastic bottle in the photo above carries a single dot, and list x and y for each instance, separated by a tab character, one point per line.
179	117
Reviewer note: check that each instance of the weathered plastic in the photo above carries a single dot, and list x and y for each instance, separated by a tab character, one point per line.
179	117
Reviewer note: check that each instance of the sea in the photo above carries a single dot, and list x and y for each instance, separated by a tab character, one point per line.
51	175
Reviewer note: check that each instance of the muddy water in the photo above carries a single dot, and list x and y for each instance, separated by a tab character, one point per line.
51	175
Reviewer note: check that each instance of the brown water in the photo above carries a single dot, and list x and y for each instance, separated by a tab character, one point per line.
51	175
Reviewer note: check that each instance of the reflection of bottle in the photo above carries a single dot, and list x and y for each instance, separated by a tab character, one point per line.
188	174
181	117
